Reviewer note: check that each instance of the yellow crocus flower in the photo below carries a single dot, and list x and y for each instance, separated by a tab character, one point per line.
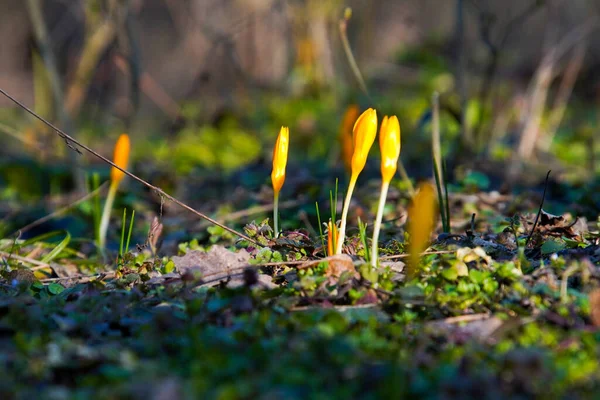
389	144
280	153
120	158
363	134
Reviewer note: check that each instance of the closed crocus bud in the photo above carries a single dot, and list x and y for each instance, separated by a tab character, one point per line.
331	238
389	143
350	116
280	153
121	158
364	132
421	222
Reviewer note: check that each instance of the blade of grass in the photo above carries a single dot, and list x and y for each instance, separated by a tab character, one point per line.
446	202
362	231
320	229
333	199
130	231
122	232
97	208
58	249
442	208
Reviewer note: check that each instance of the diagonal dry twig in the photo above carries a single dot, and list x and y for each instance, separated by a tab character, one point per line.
76	145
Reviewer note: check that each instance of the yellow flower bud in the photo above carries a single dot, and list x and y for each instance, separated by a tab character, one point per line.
421	218
350	116
121	158
332	235
280	152
364	132
389	143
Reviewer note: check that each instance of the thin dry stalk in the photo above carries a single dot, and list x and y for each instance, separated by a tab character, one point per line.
467	137
564	92
541	83
436	141
343	26
90	56
40	31
152	89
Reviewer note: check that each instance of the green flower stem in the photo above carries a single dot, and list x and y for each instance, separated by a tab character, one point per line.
375	245
110	199
342	232
276	214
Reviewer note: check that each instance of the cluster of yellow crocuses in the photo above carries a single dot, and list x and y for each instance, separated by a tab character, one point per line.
363	136
355	150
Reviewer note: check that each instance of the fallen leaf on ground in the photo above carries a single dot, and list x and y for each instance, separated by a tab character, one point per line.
216	264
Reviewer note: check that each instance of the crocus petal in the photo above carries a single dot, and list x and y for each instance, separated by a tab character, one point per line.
389	144
120	158
331	238
364	132
280	153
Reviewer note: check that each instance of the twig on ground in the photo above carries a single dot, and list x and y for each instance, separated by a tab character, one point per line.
426	253
465	318
38	264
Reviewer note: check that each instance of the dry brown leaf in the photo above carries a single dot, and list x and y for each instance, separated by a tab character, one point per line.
338	264
216	264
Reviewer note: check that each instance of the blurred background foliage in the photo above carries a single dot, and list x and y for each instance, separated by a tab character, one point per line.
204	85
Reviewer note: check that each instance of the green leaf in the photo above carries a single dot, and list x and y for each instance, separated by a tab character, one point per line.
477	276
477	179
55	288
553	246
169	267
450	274
58	249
